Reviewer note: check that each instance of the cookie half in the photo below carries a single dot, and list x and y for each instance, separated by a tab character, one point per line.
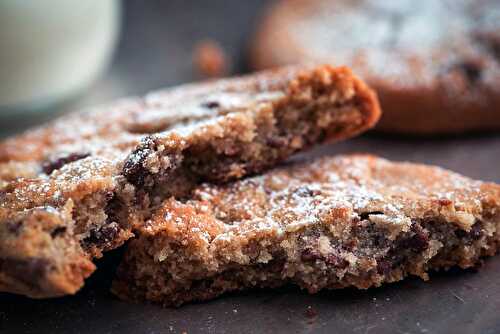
75	188
348	221
434	64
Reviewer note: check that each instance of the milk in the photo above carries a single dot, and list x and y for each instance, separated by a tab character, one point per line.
53	49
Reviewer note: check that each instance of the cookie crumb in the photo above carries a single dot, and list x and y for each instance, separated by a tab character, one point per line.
311	313
210	59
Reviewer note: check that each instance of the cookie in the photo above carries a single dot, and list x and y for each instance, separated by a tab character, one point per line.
434	64
76	187
348	221
210	60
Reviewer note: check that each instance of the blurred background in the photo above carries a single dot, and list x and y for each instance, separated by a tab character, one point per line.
75	54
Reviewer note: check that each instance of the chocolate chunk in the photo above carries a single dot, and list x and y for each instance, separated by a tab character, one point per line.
14	227
109	232
469	69
100	237
133	169
49	166
112	209
276	265
460	234
418	242
379	240
472	70
58	231
210	104
305	191
476	231
336	261
310	254
384	267
277	142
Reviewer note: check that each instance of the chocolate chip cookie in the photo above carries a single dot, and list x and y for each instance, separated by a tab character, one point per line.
348	221
75	188
435	63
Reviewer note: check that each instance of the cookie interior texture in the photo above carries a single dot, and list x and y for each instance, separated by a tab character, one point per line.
90	178
337	222
432	75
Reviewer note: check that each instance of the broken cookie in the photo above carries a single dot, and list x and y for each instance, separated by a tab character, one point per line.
348	221
75	188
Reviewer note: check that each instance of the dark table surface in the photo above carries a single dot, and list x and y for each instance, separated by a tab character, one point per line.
155	51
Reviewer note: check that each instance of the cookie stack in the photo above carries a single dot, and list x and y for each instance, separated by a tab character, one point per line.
193	182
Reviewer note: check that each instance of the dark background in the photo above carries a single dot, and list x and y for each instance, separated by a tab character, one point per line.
156	51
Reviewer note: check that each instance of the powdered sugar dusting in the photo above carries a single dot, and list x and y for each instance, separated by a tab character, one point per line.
406	42
290	199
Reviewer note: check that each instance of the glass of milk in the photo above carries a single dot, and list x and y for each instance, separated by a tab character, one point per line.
51	50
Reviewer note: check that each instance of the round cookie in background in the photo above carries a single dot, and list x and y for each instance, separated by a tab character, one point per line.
434	63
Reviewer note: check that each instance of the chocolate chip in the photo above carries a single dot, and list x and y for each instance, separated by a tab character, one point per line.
384	267
109	195
112	209
379	240
100	237
58	231
476	231
276	142
108	233
460	234
133	169
210	104
13	227
49	166
310	254
276	265
305	191
471	70
418	242
336	261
